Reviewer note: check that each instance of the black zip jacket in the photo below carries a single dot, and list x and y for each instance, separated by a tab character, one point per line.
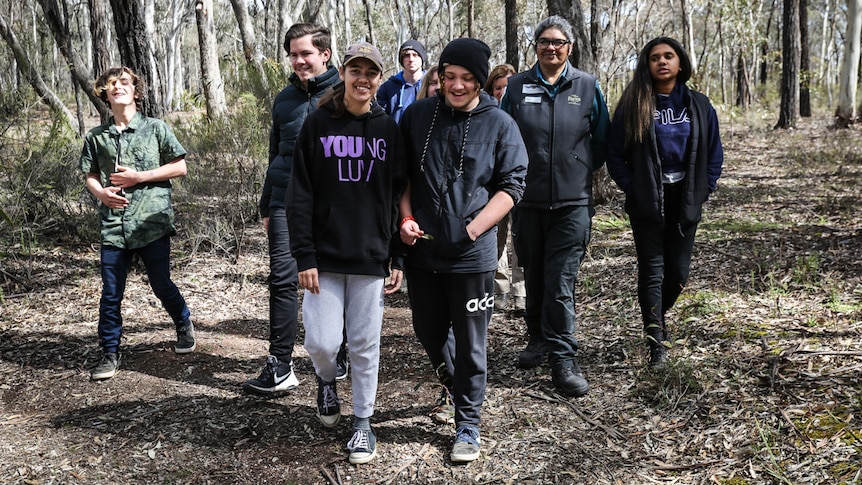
469	156
342	202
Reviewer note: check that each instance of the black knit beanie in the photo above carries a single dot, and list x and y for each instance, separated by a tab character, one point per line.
471	54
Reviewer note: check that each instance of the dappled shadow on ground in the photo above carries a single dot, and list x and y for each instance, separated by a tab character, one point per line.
763	383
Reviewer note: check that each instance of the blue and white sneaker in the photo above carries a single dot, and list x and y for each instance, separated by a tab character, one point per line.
467	444
362	446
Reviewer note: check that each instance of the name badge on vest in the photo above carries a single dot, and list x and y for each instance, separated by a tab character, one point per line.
532	89
532	100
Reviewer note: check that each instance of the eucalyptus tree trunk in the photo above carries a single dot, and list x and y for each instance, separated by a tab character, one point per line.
470	18
210	72
136	50
250	47
79	70
804	62
100	33
789	112
850	66
570	10
743	93
370	25
513	51
284	21
32	75
688	34
179	12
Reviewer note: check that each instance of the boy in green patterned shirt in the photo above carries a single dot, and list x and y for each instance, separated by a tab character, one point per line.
129	163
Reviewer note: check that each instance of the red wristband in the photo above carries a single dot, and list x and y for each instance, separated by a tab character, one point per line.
408	218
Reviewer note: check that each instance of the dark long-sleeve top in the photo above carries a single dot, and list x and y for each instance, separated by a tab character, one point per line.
342	202
457	161
637	168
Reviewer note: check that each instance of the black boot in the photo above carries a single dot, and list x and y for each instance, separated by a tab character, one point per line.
657	349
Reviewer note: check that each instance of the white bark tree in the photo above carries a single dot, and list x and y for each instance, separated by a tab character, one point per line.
210	71
844	114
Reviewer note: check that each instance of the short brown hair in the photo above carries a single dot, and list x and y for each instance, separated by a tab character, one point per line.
320	36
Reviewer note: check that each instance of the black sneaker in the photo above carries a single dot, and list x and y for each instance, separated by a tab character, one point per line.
657	353
328	404
362	446
107	367
275	377
185	339
342	364
532	354
570	381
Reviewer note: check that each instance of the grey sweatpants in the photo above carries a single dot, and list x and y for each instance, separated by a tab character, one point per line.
354	302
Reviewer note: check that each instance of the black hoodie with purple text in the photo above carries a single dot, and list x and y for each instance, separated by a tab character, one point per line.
342	201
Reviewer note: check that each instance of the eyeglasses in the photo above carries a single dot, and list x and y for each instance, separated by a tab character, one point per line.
557	43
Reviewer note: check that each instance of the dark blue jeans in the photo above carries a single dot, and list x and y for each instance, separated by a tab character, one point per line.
283	288
455	304
551	245
115	262
664	260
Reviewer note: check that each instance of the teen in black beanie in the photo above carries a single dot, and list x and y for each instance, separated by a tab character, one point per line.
471	54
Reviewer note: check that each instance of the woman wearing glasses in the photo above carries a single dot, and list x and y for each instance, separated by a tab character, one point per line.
563	119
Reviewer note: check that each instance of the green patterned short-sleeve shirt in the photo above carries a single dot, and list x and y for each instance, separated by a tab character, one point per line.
145	144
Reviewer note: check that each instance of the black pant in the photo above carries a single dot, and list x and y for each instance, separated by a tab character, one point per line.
664	260
283	283
551	245
462	303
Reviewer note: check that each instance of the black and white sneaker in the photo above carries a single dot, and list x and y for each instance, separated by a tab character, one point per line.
275	377
107	367
342	364
328	404
185	339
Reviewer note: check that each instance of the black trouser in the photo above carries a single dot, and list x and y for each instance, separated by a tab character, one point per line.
462	303
664	260
551	245
283	282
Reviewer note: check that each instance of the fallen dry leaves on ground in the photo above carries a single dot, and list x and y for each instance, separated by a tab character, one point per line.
763	385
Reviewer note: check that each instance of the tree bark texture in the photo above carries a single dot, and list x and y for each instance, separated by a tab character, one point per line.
32	75
789	111
570	10
513	51
136	50
210	71
77	66
100	33
850	66
804	62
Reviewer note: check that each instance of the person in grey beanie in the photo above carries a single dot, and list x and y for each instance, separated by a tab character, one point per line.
400	90
466	165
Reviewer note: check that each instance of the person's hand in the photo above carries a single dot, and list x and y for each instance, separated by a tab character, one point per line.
308	280
410	232
110	196
125	177
395	280
266	225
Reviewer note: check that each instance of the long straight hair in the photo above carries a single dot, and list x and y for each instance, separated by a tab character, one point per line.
638	99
